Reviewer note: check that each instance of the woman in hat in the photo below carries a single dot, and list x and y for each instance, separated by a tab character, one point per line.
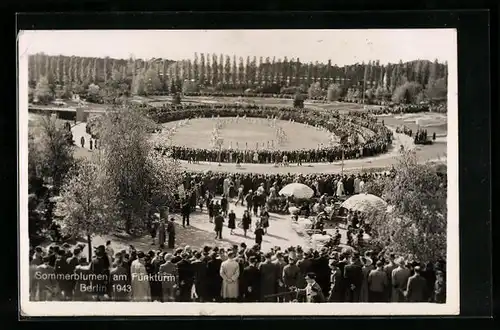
171	233
231	224
264	219
367	268
246	222
259	233
141	290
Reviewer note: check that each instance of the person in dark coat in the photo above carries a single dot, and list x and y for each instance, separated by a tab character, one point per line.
417	287
186	211
249	200
210	208
231	224
268	279
353	274
219	223
439	294
61	268
250	279
214	278
323	272
161	234
153	230
264	220
246	222
119	282
200	277
171	233
336	277
224	205
100	266
156	283
430	277
186	278
72	262
259	233
255	203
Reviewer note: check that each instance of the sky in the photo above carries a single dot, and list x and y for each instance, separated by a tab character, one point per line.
341	46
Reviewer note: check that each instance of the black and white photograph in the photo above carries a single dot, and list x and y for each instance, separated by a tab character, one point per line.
238	172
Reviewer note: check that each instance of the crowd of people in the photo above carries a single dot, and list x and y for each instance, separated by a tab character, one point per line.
332	273
376	137
234	185
236	274
408	108
420	136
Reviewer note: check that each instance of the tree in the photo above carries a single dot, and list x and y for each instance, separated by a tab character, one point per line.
125	145
248	71
43	92
152	82
165	177
135	168
202	69
380	92
417	224
89	202
241	72
334	92
51	150
272	72
438	90
315	90
227	70
298	101
196	68
234	72
215	70
139	84
407	93
93	93
190	87
176	99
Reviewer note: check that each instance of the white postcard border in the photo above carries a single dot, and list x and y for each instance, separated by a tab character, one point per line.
29	308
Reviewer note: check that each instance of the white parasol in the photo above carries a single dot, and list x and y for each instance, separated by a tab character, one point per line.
366	203
297	190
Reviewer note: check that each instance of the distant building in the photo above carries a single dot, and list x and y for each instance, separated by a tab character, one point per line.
75	98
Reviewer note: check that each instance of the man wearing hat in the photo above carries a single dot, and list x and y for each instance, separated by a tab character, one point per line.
353	273
141	290
367	268
400	277
377	284
186	277
100	266
171	233
313	291
416	288
336	278
120	289
169	277
291	273
250	278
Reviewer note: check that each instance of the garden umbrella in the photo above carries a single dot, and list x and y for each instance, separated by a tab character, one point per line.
297	190
366	203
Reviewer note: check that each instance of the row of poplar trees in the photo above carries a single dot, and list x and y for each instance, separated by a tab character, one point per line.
230	72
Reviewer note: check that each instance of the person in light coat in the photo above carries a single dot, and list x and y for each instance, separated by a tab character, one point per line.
230	271
340	188
141	290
